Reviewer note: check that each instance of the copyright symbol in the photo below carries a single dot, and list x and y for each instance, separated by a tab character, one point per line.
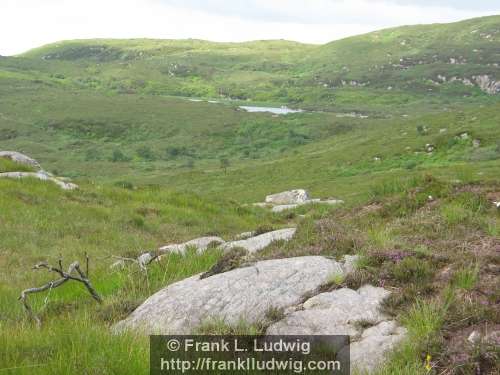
173	345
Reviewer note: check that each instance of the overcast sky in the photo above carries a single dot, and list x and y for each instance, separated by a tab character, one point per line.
25	24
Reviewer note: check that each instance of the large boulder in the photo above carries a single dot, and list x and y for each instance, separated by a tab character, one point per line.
200	244
260	242
20	159
299	196
347	312
244	293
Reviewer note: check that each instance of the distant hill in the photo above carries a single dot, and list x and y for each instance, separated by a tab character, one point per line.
454	59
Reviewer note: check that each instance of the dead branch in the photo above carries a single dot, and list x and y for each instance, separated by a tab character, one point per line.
64	277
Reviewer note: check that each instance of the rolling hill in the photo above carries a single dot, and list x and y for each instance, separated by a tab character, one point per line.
402	124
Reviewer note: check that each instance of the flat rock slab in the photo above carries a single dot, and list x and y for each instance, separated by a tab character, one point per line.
288	197
245	293
200	244
260	242
40	176
346	312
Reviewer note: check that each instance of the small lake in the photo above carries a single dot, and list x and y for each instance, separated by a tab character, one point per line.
275	110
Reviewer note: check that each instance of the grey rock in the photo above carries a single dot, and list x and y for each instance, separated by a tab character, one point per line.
340	313
288	197
284	207
200	244
260	242
474	338
375	344
144	259
41	175
20	158
245	235
334	313
245	293
487	84
350	263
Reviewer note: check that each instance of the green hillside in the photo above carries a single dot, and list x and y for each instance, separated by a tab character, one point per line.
402	124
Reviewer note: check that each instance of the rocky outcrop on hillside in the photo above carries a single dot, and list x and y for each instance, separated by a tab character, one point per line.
347	312
291	199
257	243
250	293
487	84
199	244
38	173
245	293
19	158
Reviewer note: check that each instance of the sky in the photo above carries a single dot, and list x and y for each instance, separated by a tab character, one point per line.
26	24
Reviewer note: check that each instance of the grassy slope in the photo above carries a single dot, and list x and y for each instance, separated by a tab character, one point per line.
88	99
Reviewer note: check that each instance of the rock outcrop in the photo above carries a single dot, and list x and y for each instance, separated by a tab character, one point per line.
288	197
487	84
39	173
249	293
200	244
289	200
245	293
19	158
257	243
347	312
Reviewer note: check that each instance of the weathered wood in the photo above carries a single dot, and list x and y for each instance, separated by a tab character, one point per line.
65	276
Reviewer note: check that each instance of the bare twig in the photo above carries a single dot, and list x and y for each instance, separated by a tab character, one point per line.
64	277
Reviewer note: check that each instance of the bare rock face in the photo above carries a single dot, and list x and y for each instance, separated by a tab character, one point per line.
20	159
299	196
347	312
260	242
245	293
200	244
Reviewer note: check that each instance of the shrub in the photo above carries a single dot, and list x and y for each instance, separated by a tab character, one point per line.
119	156
412	270
146	153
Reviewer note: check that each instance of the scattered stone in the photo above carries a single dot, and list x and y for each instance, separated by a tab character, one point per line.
260	242
476	143
474	338
430	148
200	244
244	293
